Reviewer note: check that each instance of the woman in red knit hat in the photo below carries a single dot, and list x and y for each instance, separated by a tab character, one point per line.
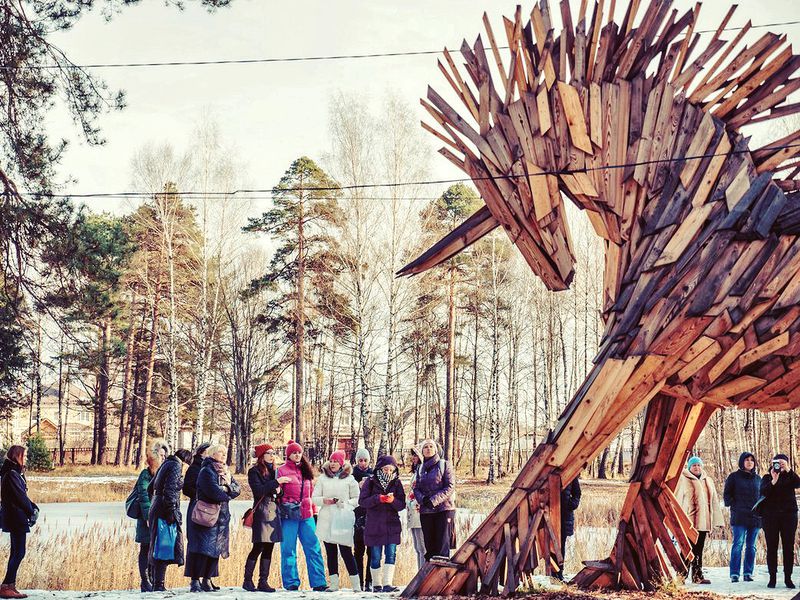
297	521
336	493
266	522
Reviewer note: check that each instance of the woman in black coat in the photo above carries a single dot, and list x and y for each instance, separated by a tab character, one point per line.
570	500
166	506
215	485
779	516
18	513
266	519
190	491
742	489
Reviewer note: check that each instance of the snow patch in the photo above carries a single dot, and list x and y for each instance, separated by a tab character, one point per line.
721	584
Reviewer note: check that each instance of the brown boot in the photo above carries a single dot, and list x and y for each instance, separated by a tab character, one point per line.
9	590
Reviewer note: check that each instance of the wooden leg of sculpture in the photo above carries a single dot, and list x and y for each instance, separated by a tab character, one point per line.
650	517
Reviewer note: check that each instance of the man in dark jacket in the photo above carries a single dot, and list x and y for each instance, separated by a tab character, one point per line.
18	512
778	512
570	500
361	472
742	489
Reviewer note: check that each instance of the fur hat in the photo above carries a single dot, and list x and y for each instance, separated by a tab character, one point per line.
292	447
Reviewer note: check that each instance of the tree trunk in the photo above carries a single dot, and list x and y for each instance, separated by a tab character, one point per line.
148	386
450	364
300	325
127	380
102	396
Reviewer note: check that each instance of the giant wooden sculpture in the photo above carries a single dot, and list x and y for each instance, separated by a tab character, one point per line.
639	125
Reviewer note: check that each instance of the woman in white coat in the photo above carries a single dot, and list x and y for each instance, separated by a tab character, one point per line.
336	493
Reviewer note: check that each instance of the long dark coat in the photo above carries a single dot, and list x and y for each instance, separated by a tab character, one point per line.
213	541
266	519
190	491
742	489
144	500
16	506
166	504
570	499
383	521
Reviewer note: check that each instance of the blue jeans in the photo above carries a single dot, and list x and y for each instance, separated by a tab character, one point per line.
743	536
390	553
306	530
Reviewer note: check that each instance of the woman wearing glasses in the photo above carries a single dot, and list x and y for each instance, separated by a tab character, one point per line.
266	522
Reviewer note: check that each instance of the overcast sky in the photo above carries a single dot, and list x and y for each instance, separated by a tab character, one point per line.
272	113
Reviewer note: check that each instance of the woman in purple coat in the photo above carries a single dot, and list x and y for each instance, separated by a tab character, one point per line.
383	497
434	488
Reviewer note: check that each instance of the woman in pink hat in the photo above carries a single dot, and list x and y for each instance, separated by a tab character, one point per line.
297	521
336	494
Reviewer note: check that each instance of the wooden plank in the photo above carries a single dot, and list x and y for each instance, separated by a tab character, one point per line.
575	119
764	349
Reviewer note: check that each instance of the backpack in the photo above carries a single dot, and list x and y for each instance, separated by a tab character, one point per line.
132	508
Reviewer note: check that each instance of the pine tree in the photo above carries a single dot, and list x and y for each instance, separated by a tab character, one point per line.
303	220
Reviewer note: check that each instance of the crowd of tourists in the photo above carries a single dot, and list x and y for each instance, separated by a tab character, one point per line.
356	513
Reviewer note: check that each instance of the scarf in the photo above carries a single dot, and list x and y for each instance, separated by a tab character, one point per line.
385	480
220	467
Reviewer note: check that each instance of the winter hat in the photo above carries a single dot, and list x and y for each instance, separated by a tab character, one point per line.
261	450
292	447
386	459
362	453
781	457
338	457
695	460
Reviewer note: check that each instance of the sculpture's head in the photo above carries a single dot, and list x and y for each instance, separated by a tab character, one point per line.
623	119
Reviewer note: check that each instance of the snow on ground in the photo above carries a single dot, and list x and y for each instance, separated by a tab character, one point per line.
721	584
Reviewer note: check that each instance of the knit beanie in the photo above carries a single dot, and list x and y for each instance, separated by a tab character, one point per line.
362	453
781	457
695	460
338	457
261	450
292	447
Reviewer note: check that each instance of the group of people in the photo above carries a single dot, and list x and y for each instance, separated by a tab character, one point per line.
756	502
350	511
356	512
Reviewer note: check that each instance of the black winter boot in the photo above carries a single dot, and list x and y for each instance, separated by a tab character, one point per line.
159	577
144	574
263	576
207	585
249	569
772	580
194	586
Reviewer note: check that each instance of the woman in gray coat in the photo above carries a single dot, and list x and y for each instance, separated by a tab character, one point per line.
266	519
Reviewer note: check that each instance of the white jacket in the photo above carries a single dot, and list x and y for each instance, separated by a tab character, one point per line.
344	488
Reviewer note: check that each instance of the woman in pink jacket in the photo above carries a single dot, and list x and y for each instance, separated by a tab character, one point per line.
297	521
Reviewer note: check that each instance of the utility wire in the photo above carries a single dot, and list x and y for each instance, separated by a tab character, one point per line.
291	59
398	184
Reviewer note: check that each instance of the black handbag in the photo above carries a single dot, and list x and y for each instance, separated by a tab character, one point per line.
290	511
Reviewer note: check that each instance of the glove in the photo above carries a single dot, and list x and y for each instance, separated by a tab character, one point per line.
34	517
385	498
411	495
427	503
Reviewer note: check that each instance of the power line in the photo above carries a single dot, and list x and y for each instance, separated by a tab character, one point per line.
291	59
398	184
